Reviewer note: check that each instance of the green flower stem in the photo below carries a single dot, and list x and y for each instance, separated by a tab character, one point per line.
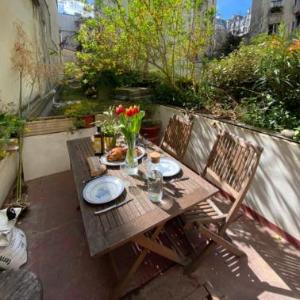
130	156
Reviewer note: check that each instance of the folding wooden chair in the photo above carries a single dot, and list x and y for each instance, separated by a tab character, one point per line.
231	166
176	137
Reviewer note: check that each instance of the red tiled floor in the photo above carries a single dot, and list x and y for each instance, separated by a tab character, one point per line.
271	270
58	251
58	254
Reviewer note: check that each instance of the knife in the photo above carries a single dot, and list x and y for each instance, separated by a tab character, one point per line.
111	207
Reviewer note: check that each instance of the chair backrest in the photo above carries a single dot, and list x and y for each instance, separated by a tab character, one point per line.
231	166
176	137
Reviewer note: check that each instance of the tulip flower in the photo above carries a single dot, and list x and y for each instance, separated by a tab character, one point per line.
136	109
130	119
120	109
130	111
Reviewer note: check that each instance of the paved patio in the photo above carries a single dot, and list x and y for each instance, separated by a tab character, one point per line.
59	255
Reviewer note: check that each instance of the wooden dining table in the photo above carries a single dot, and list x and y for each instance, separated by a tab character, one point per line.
132	222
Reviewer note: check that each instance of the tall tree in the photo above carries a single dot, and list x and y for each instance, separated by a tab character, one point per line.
170	36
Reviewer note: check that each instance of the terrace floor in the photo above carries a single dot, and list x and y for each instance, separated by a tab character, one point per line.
58	254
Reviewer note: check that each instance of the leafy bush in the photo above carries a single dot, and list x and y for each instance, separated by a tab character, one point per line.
259	82
184	94
130	78
81	109
11	126
267	114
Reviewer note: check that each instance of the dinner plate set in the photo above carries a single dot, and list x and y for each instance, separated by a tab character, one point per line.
107	188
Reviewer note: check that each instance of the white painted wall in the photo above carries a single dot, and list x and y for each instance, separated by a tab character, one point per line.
275	192
48	154
23	13
8	173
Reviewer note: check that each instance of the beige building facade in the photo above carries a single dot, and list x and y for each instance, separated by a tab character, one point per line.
38	20
268	14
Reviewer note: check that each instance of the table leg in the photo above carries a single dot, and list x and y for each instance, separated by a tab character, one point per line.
192	267
159	249
116	293
149	244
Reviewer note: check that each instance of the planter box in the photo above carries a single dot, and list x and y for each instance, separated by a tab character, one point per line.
45	145
47	154
8	174
48	125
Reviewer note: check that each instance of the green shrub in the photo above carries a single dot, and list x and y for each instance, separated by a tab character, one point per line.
11	126
81	109
130	79
260	82
270	114
184	94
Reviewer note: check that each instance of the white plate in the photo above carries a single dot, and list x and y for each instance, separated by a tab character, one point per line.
103	189
104	160
168	167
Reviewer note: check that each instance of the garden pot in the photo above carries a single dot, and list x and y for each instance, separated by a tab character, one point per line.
13	145
151	132
88	120
109	142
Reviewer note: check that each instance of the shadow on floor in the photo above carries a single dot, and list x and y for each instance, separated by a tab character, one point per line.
59	255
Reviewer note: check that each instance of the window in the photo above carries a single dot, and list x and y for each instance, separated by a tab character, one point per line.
276	6
273	28
276	3
298	21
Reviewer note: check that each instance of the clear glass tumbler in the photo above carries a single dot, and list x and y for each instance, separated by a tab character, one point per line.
155	186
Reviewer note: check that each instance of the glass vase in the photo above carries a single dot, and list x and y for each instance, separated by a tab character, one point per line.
131	162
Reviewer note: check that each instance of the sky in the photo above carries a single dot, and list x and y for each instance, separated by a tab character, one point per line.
227	8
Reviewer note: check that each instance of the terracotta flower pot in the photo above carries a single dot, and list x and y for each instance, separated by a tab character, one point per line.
88	120
151	132
13	145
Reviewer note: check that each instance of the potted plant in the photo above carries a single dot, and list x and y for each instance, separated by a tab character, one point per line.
151	130
83	112
110	128
11	127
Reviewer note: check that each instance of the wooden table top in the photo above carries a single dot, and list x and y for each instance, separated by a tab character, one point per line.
110	230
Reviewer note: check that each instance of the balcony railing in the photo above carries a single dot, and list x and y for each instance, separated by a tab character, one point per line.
276	6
